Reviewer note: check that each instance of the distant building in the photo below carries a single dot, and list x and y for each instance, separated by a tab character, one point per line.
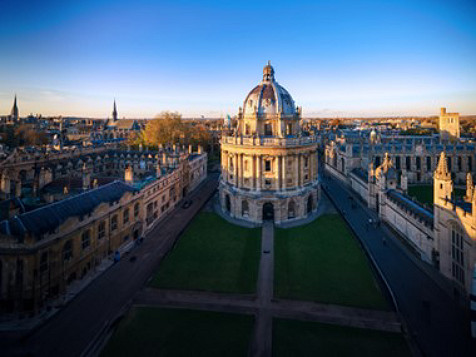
449	125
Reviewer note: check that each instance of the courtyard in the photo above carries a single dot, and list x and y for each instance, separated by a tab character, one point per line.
212	255
150	331
323	262
424	193
303	338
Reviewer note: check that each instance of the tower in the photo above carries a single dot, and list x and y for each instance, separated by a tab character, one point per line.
114	111
442	183
14	112
449	125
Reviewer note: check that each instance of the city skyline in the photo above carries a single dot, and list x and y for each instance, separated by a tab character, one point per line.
344	59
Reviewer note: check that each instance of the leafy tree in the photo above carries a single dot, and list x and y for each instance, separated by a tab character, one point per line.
168	128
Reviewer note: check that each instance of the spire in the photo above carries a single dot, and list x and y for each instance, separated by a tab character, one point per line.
442	168
14	112
114	111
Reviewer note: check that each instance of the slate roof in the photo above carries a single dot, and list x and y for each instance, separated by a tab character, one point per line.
406	202
361	174
48	218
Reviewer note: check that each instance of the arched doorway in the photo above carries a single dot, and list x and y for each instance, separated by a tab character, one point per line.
309	204
227	203
268	211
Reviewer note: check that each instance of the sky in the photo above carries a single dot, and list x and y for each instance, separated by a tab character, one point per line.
336	58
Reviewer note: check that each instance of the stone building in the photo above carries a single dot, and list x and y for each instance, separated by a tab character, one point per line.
444	234
269	164
414	156
449	125
44	250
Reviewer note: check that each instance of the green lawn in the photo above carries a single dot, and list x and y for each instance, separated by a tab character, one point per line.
424	193
212	255
176	332
323	262
299	338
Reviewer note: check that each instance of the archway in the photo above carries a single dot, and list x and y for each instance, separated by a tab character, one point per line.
245	208
227	203
309	204
268	211
291	210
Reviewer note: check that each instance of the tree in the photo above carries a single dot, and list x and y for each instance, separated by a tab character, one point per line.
168	128
27	135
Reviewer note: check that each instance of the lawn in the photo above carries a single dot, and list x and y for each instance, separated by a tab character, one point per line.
299	338
212	255
175	332
323	262
424	193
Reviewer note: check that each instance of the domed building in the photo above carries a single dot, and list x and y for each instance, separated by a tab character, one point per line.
269	164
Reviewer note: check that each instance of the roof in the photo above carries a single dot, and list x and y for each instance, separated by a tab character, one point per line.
415	207
50	217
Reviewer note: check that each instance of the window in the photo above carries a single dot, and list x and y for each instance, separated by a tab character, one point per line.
306	162
268	129
244	208
114	222
457	254
398	163
68	250
136	210
428	163
267	165
246	165
418	163
85	239
408	163
125	216
448	159
102	230
289	129
44	262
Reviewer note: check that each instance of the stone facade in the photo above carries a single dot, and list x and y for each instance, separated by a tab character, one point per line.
269	164
44	250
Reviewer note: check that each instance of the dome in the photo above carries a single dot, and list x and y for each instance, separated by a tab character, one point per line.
268	97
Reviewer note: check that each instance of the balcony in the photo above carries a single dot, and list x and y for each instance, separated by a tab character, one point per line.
270	141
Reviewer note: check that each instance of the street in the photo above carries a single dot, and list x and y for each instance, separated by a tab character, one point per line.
439	326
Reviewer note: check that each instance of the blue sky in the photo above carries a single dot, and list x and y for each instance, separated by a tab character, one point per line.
336	58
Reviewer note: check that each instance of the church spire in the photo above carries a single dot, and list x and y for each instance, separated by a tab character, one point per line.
114	111
14	112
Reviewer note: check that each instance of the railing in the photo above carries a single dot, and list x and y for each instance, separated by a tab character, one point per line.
263	141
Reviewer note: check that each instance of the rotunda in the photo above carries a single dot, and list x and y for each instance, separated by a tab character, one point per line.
269	165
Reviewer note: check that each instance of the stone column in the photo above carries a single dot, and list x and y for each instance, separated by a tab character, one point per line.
236	170
296	170
253	171
242	170
259	170
278	173
283	172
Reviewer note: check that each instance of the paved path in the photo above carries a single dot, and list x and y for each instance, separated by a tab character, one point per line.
91	313
262	336
264	307
438	324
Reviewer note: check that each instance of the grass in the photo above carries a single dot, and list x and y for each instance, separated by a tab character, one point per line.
424	193
147	331
323	262
212	255
299	338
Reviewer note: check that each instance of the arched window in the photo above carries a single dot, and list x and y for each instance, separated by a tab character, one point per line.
244	208
228	203
457	253
309	204
291	210
43	262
